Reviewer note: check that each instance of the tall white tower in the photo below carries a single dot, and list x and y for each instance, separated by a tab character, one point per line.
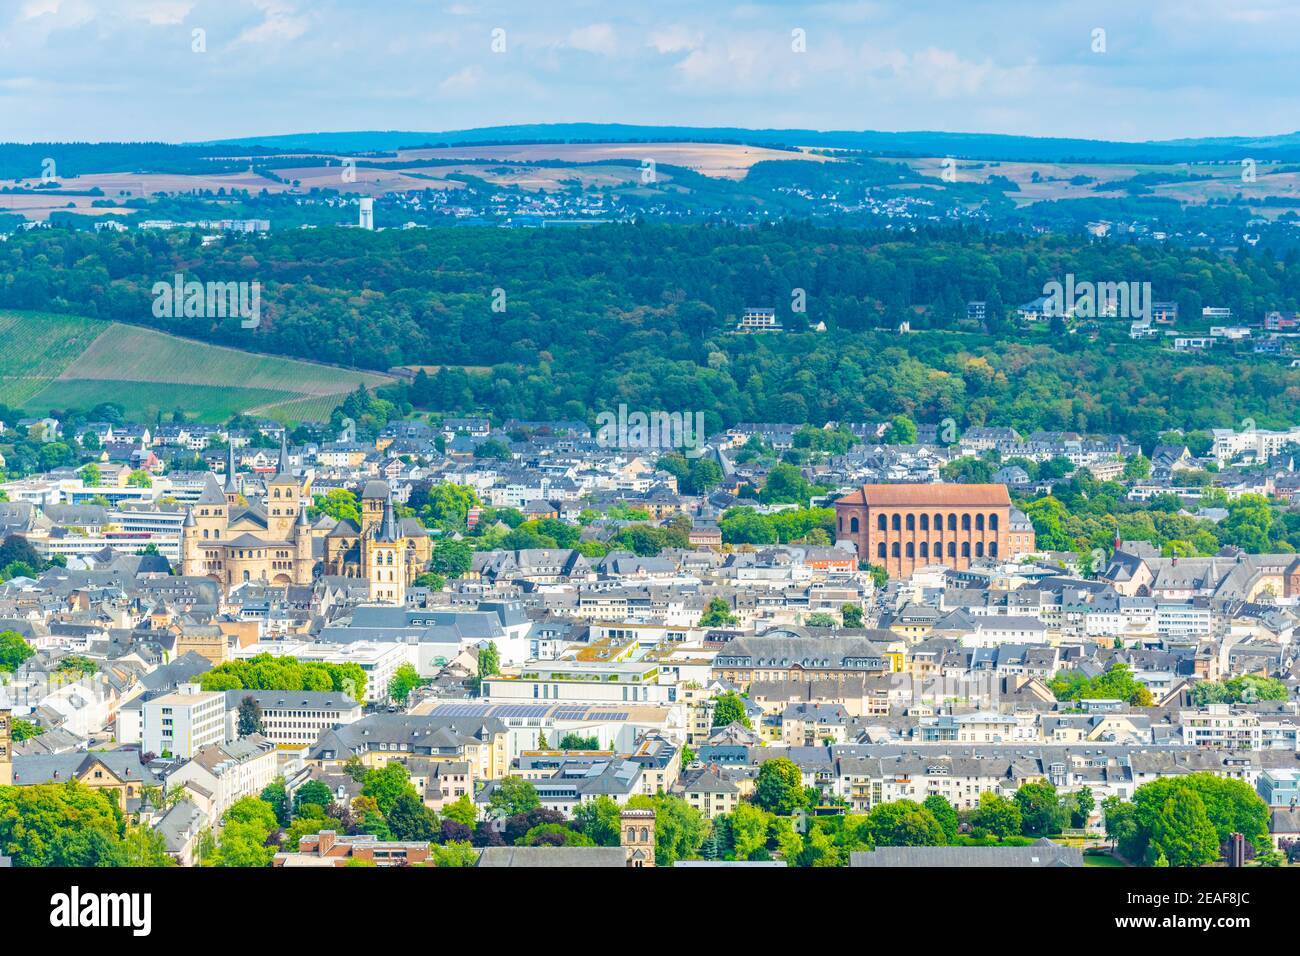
367	220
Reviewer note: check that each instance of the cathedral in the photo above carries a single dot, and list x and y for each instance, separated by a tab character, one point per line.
226	538
385	550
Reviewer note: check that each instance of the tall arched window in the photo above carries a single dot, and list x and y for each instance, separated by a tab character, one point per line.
965	522
893	550
925	549
925	522
911	521
911	550
979	549
853	525
897	522
993	522
993	549
880	550
882	524
938	522
965	549
979	522
952	522
952	549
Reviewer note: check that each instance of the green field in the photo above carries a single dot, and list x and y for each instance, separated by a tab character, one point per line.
62	362
38	347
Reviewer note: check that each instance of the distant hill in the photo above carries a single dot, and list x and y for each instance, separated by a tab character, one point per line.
920	143
63	361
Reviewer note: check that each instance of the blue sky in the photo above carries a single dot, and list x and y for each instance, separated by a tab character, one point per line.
125	69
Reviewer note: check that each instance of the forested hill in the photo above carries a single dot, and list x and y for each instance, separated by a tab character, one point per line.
987	146
641	314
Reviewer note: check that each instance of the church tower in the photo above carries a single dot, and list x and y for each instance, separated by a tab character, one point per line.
6	748
384	556
637	836
283	498
303	560
232	486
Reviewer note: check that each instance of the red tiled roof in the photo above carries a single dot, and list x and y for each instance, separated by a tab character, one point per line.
904	495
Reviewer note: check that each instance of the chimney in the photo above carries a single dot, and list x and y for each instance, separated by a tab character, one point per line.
326	838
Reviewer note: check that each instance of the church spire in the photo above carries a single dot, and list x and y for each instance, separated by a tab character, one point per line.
230	467
388	530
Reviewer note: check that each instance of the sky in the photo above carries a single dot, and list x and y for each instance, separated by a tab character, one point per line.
184	70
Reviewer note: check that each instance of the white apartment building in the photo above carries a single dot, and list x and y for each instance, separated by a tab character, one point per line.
294	718
1183	620
1219	725
580	682
182	723
224	773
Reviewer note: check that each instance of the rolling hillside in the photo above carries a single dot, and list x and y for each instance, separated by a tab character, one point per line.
65	361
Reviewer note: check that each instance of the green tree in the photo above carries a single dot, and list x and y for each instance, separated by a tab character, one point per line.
680	829
404	680
717	613
1041	812
599	820
851	615
512	796
489	660
461	811
13	650
452	559
903	823
779	787
411	820
998	815
250	717
385	784
313	792
728	708
277	796
1182	831
945	814
453	854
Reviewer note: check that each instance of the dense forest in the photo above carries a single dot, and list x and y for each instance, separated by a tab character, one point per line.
568	322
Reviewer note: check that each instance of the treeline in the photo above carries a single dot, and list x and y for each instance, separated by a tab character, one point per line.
589	318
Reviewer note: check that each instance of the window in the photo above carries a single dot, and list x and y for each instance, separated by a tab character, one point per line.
853	525
965	549
897	523
925	522
911	521
979	522
979	549
993	522
952	522
952	549
993	549
880	550
911	550
965	522
894	549
881	524
925	549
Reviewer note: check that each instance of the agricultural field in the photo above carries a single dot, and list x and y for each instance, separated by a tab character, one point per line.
73	362
38	347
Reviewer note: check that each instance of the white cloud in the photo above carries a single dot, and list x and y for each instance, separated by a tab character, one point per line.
596	38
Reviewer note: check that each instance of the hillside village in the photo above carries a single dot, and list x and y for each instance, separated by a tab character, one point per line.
468	643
